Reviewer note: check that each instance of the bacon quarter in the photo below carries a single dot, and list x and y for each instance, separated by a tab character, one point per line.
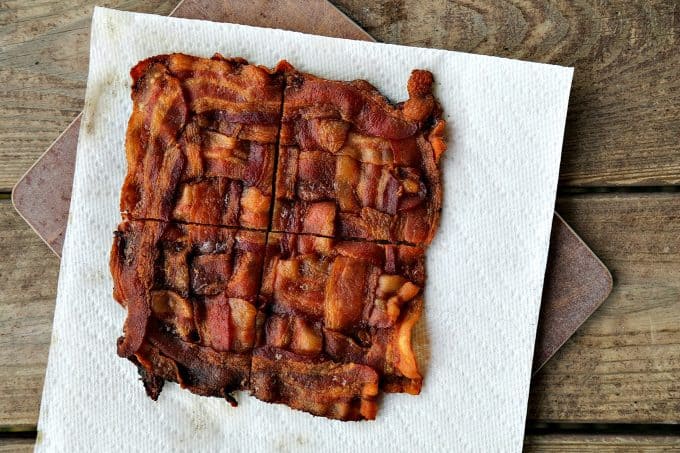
201	141
345	302
352	165
191	292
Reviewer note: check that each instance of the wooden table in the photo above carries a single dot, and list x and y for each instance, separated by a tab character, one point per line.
616	383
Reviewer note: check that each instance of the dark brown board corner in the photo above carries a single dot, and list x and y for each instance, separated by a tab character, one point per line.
576	283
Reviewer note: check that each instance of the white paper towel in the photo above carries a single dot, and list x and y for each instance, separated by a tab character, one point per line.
485	266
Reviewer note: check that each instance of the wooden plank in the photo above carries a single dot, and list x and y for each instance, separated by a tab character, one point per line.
43	68
16	445
28	277
623	126
600	443
624	122
622	366
624	362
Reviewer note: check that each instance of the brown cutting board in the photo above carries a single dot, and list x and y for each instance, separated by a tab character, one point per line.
576	281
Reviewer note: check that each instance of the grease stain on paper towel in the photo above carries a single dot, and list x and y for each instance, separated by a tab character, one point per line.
287	444
110	28
201	424
91	103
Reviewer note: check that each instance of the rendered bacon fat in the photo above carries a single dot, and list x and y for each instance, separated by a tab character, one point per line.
351	165
201	141
191	295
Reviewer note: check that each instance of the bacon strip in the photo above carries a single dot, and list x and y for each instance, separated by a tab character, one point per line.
202	370
333	390
132	263
362	106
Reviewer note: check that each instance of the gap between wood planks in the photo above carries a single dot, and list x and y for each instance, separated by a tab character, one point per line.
571	190
532	429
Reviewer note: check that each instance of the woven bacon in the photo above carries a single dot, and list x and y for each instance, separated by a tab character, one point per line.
295	273
191	295
352	165
201	141
344	302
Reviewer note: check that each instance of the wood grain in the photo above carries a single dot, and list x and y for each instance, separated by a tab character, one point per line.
622	366
624	362
28	277
16	445
43	68
600	444
623	126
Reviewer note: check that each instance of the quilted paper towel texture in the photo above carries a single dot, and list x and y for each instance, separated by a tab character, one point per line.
485	266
